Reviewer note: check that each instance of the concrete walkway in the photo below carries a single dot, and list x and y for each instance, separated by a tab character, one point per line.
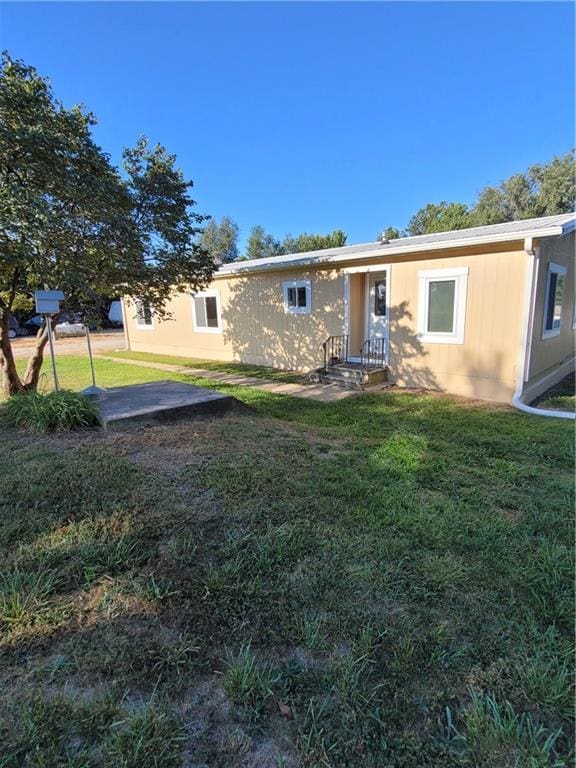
324	393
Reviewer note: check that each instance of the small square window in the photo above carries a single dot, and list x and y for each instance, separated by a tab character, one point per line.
297	295
555	280
144	317
207	312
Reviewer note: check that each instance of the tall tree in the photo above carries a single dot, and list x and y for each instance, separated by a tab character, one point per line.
68	219
390	233
220	239
262	245
438	217
307	242
543	190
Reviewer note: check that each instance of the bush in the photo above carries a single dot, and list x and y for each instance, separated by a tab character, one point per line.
45	413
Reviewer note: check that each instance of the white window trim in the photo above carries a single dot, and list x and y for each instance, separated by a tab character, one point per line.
143	326
553	269
425	277
215	293
298	284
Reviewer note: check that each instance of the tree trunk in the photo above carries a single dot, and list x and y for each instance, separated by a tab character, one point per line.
11	383
34	367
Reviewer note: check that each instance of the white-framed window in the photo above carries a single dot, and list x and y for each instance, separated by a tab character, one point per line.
144	316
442	305
206	312
297	297
555	280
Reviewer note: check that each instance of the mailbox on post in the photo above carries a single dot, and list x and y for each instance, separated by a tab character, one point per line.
48	303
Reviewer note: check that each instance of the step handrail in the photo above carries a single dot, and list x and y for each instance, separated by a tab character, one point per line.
338	347
373	352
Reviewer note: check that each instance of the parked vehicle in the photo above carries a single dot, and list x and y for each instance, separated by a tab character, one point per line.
14	328
33	325
115	315
69	324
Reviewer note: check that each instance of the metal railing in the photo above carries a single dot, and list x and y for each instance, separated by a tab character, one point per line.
335	350
373	353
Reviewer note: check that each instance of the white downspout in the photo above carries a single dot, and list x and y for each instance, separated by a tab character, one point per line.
527	335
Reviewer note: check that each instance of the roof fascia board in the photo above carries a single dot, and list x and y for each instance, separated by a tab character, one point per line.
398	251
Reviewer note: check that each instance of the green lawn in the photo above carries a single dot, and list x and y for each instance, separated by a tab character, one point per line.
561	397
385	582
243	369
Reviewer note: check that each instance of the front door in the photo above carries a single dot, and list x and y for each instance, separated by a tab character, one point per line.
377	315
377	311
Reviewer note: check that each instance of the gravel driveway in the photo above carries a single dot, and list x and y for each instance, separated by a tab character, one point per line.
103	341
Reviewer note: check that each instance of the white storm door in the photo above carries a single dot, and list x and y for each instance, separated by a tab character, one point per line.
377	301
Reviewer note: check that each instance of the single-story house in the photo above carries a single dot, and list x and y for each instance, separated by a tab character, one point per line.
486	312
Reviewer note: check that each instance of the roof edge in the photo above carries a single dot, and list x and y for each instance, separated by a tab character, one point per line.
553	231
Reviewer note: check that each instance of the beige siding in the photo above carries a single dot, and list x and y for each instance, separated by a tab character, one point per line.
548	355
485	365
256	329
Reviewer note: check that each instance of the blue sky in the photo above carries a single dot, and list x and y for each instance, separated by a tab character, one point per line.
316	116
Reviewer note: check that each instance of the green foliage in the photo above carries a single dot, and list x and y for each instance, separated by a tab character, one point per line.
61	410
497	733
66	212
390	233
220	240
261	245
151	738
307	242
246	679
438	217
21	303
24	595
543	190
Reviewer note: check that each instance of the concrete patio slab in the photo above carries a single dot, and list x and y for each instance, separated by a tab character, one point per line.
161	401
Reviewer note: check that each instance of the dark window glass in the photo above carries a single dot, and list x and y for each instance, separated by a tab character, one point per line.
143	313
441	306
301	297
211	312
292	297
554	302
380	298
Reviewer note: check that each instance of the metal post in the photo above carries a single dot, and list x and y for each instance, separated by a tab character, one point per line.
90	354
92	390
49	324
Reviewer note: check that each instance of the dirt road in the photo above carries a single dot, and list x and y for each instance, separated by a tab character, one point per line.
103	341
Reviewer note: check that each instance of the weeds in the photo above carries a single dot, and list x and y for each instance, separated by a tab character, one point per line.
55	411
25	596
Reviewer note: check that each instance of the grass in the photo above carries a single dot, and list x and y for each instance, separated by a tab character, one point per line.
51	411
382	581
561	397
240	369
